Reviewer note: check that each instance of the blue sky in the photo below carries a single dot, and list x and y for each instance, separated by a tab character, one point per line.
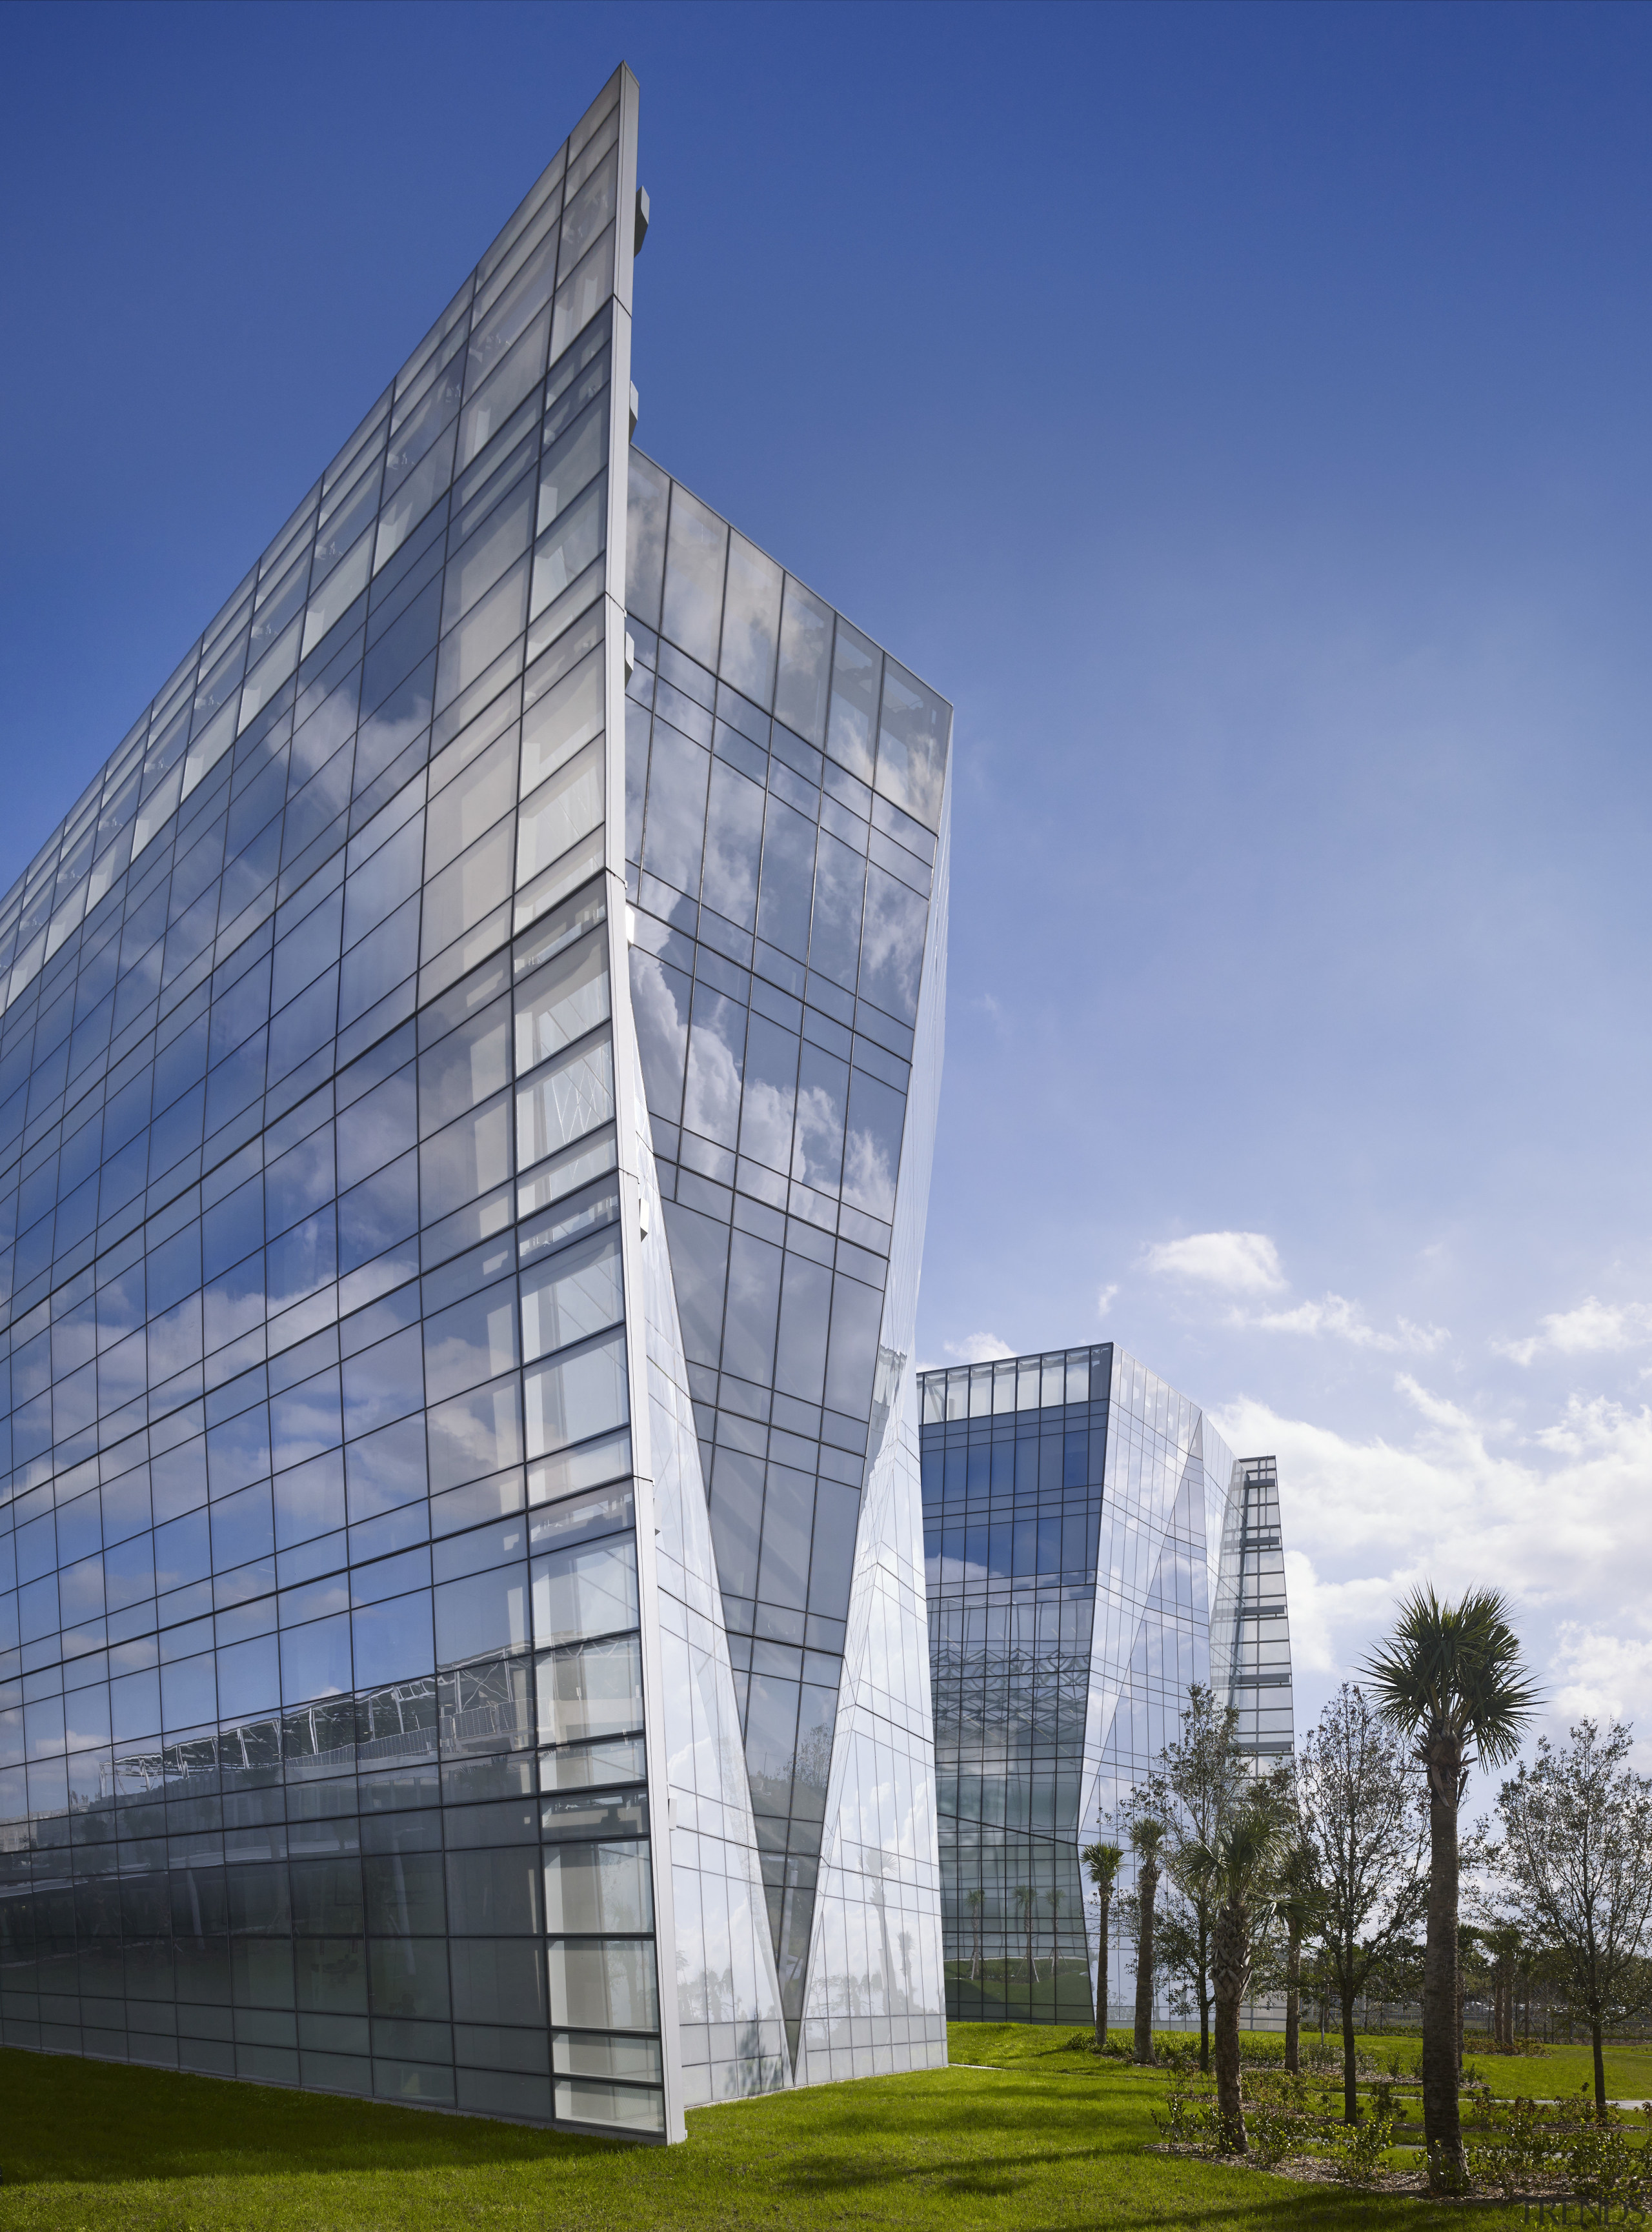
1241	413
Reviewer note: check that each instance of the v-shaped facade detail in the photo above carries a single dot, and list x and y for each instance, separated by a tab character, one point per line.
467	1073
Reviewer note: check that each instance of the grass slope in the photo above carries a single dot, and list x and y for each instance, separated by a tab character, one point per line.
1048	2140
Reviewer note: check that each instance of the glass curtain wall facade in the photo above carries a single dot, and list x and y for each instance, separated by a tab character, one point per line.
1092	1548
369	1712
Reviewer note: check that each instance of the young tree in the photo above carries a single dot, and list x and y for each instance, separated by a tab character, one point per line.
1363	1821
1054	1899
1451	1677
1578	1854
1101	1864
1238	1866
1200	1780
977	1901
1298	1899
1147	1835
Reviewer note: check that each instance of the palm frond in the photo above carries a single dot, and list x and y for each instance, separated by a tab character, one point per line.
1102	1864
1148	1834
1455	1670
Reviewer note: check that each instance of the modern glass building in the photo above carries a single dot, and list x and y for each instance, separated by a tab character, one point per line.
1092	1549
467	1073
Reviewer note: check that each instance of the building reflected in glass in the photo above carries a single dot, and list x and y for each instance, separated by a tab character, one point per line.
467	1073
1092	1548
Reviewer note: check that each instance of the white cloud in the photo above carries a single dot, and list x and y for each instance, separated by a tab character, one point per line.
1104	1300
1558	1518
1601	1675
977	1348
1594	1328
1341	1320
1243	1262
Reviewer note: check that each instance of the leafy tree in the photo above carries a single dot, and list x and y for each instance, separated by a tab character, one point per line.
1450	1677
1238	1868
1577	1852
1147	1835
1101	1864
1363	1822
1200	1779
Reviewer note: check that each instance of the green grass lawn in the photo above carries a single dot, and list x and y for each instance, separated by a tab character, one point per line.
1560	2069
1048	2139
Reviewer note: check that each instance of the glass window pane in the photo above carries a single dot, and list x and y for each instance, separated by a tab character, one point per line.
576	1293
855	664
913	732
695	549
800	696
583	1394
751	621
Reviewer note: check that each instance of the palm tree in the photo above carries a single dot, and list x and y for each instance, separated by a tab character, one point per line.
977	1901
1148	1835
1452	1677
1027	1899
1101	1864
1504	1943
1299	1906
1239	1864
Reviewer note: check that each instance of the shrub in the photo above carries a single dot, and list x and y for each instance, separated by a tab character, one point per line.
1278	2119
1189	2119
1524	2157
1357	2158
1603	2168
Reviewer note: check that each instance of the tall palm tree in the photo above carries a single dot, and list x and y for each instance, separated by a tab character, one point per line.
1148	1835
1101	1864
1027	1899
977	1901
1452	1677
1240	1864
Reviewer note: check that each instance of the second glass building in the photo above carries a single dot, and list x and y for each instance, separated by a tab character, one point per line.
1093	1548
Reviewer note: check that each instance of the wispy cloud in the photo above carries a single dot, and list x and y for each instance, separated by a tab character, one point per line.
1593	1329
1239	1262
1558	1518
1336	1318
1104	1300
977	1348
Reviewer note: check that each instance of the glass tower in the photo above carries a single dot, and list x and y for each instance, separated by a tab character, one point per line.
1092	1548
467	1073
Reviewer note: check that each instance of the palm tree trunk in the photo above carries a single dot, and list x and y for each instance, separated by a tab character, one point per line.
1100	1978
1442	2131
1351	2078
1293	2001
1149	1884
1229	1950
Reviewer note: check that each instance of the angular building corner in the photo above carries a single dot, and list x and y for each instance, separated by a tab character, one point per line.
1093	1550
467	1076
